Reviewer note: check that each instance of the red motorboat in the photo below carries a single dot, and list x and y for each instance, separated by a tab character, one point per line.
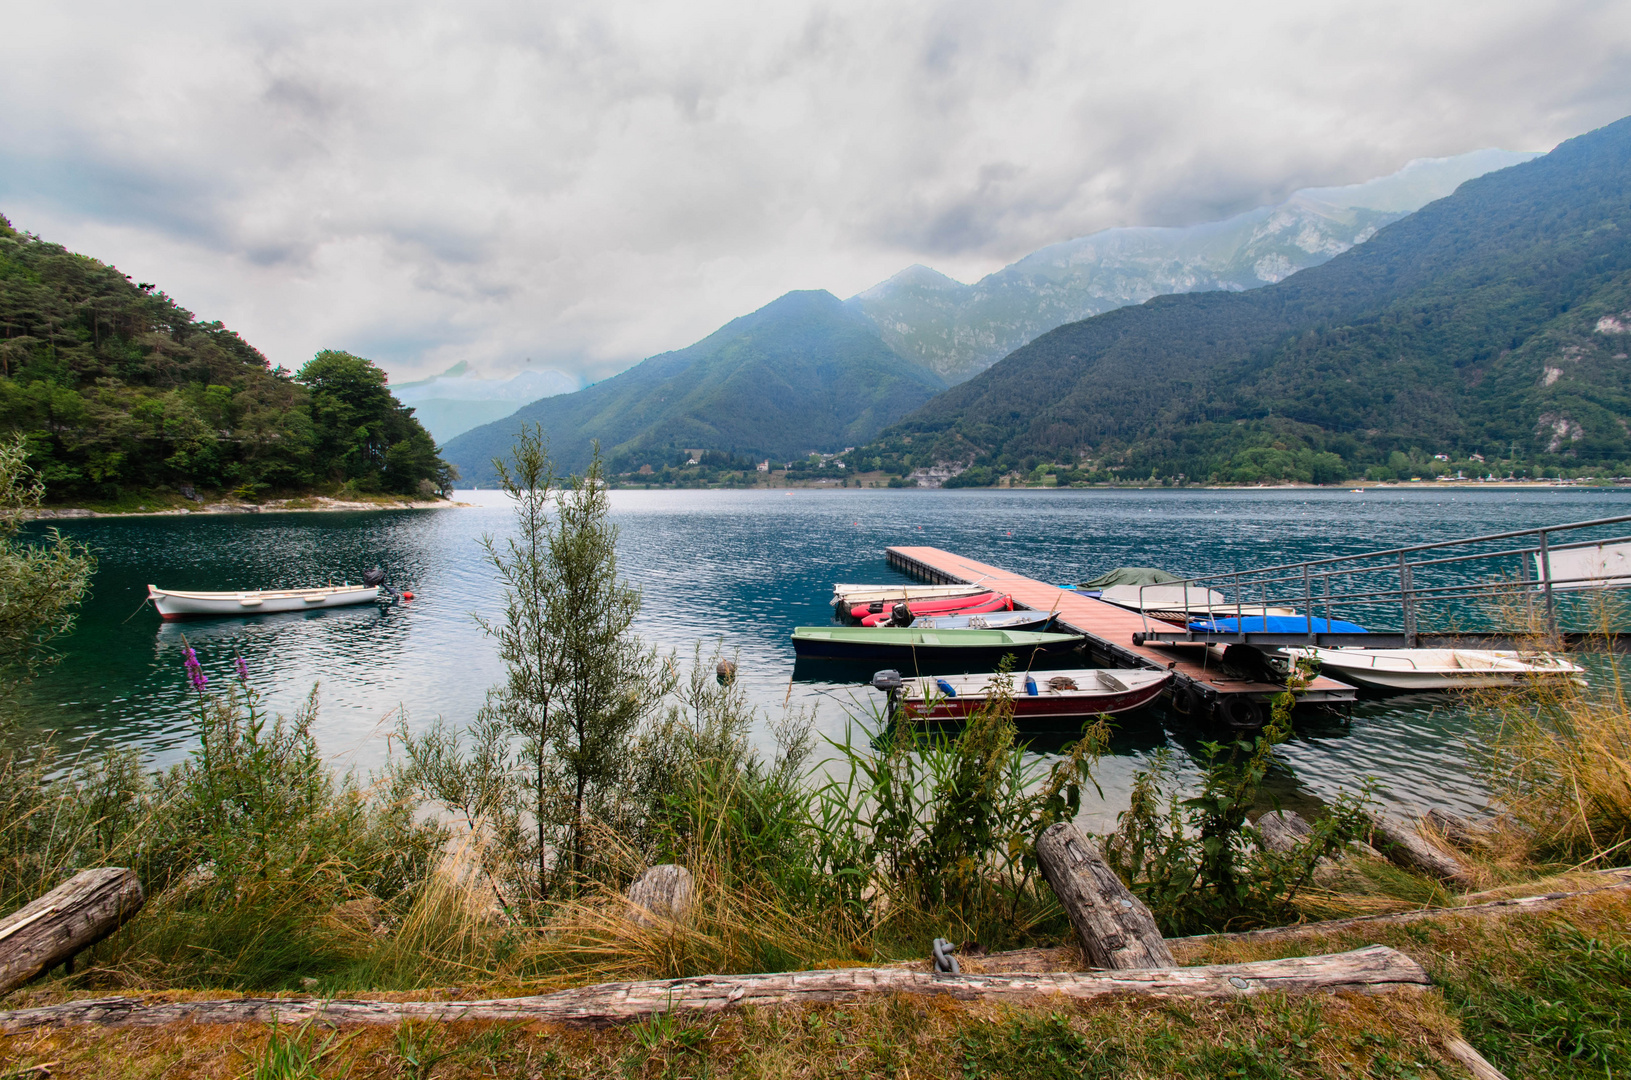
1037	695
966	605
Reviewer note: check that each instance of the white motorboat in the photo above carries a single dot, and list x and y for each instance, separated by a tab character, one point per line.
1439	669
172	604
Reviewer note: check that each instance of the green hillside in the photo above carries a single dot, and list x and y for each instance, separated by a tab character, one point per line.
119	390
1492	322
802	373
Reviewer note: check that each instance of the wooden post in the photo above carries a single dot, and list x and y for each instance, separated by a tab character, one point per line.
75	915
1116	930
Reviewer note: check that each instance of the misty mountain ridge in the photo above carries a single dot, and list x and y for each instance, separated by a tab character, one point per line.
1490	322
805	372
958	330
459	399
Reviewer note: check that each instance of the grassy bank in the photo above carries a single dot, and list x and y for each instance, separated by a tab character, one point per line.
1544	995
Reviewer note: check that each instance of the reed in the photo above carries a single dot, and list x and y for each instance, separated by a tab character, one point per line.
1560	759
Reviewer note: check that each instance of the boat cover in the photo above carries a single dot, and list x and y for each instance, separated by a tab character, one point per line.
1130	575
1275	624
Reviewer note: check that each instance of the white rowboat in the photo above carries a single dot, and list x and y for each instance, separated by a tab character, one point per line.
181	605
1440	669
848	596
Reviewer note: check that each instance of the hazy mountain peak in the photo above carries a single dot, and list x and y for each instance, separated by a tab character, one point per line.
958	330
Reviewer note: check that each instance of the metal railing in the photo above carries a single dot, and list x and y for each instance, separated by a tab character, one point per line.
1397	592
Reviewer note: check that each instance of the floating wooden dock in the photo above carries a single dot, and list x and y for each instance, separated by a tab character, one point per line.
1200	687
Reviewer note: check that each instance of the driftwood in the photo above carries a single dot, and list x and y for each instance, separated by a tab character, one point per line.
662	894
1457	829
73	916
1481	1069
1400	841
1283	830
1116	930
1370	970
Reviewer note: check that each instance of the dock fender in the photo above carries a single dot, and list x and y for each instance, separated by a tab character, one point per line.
1240	712
1188	700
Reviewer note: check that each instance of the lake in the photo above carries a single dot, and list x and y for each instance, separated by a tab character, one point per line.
739	568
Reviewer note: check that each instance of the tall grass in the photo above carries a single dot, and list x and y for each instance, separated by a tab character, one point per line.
1560	757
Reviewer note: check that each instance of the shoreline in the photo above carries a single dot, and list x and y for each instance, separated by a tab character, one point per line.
306	504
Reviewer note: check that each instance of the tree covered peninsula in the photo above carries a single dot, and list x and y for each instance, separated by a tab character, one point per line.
121	393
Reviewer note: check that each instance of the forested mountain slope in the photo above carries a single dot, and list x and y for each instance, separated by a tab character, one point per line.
119	389
1491	321
802	373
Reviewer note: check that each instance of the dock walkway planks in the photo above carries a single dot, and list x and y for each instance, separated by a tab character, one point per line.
1198	684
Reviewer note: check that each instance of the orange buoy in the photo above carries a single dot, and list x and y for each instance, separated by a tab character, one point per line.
407	596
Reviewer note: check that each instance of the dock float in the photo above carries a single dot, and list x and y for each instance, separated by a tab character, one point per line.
1200	687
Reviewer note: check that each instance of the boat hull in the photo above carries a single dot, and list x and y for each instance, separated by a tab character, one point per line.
1440	669
910	644
173	606
922	699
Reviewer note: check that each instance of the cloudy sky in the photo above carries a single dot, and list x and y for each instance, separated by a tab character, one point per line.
586	183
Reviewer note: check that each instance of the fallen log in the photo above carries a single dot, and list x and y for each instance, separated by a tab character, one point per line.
1283	830
1456	829
1116	930
1481	1069
1400	841
1371	970
70	918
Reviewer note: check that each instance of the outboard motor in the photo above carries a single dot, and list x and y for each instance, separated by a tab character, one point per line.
889	681
375	579
901	615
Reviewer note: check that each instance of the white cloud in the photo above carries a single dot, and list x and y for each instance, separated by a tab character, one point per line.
588	183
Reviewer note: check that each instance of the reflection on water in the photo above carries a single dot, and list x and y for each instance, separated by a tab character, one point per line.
736	569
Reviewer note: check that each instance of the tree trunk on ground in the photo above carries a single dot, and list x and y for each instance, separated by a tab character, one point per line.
1117	931
1371	970
1455	828
1283	830
1462	1051
74	916
1399	841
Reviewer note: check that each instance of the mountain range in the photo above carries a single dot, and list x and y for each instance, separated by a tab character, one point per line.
1493	321
942	330
802	373
958	330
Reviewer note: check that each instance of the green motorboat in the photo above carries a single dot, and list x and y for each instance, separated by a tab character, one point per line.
906	643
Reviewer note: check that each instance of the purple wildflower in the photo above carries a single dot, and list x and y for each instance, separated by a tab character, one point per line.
195	671
242	669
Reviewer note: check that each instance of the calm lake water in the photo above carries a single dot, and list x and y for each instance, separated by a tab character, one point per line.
741	568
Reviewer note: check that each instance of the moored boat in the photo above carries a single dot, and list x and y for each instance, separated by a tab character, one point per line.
908	643
1439	669
1042	695
961	605
173	604
845	597
995	620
